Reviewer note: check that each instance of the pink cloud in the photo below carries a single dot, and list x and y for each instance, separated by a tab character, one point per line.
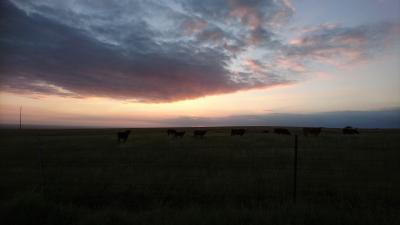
335	45
193	26
247	14
254	65
291	64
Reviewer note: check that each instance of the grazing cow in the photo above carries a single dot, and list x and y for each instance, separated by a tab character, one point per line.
350	130
281	131
179	134
237	132
312	131
171	132
123	135
265	131
199	133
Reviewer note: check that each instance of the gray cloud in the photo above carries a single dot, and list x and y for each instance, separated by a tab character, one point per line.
386	118
72	50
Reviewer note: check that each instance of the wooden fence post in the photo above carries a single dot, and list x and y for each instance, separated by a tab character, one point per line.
20	117
40	158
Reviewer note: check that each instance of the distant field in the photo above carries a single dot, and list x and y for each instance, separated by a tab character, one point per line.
84	176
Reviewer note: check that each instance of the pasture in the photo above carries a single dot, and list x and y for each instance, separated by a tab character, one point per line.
85	176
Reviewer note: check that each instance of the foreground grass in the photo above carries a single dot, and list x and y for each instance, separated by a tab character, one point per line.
86	177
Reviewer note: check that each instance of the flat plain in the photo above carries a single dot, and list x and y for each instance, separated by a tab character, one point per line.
84	176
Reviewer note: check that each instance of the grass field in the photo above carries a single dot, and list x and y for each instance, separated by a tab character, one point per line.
85	176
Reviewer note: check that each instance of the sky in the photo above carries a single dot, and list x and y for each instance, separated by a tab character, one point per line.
152	63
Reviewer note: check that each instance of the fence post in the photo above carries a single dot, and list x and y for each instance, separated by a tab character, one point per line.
20	117
295	169
40	157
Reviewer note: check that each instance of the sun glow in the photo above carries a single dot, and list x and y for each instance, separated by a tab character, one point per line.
67	110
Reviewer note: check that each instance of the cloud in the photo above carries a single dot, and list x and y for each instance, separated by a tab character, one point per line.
254	65
385	118
163	51
338	45
191	26
70	49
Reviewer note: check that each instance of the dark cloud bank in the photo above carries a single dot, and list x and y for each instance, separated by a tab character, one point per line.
41	53
152	52
36	51
388	118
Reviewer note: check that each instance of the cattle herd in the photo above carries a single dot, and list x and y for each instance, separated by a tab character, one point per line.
312	131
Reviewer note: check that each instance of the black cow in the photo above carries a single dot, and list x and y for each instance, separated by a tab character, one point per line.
123	135
179	134
199	133
349	130
312	131
171	132
266	131
237	132
281	131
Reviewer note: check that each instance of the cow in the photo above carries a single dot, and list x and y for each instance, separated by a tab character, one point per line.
171	132
266	131
312	131
349	130
281	131
237	132
123	135
179	134
199	133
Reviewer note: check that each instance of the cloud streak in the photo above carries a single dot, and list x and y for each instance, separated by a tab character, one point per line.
335	45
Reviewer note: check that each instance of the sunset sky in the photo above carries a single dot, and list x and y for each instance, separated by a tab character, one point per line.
152	63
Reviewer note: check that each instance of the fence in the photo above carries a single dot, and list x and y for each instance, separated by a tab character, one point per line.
254	168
